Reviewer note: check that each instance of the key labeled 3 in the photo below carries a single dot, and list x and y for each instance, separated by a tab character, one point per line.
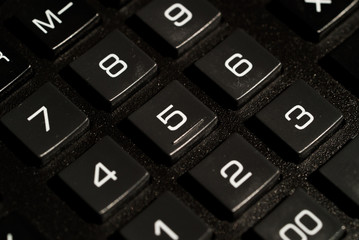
299	118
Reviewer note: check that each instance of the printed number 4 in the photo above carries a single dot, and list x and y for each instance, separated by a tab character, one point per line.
110	175
161	226
46	117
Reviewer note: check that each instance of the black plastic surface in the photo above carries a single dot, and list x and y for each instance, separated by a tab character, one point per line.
24	188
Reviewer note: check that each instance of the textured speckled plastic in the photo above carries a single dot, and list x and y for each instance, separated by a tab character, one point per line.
29	190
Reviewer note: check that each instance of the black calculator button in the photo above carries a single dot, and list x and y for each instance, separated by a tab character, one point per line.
56	23
115	3
114	68
316	18
12	67
239	67
299	217
235	175
174	120
180	23
45	122
109	176
343	62
300	118
166	218
340	176
16	227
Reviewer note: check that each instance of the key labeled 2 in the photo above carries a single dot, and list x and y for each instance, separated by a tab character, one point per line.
234	176
174	120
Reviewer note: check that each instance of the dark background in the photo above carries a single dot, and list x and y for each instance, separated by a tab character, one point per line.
26	189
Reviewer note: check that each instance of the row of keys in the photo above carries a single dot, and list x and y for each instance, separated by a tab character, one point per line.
298	217
180	24
174	120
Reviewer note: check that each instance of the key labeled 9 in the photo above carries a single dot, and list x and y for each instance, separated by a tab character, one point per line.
176	12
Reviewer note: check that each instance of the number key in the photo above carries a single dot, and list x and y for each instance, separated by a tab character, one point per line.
109	176
239	67
299	217
167	218
45	122
180	23
174	120
234	176
300	118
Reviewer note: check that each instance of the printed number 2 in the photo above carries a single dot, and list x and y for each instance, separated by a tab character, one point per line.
46	117
235	183
161	226
110	175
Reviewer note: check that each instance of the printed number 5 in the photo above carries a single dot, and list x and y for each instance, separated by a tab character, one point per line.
46	117
165	120
161	226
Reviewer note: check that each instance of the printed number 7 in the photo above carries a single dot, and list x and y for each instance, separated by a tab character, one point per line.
161	226
46	117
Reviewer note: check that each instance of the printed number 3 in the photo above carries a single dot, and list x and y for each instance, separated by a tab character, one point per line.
300	116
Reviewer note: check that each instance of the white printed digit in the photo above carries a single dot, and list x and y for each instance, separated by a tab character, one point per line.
109	175
115	61
290	226
300	229
232	179
234	68
308	231
165	120
161	226
46	117
301	115
183	11
9	236
2	56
